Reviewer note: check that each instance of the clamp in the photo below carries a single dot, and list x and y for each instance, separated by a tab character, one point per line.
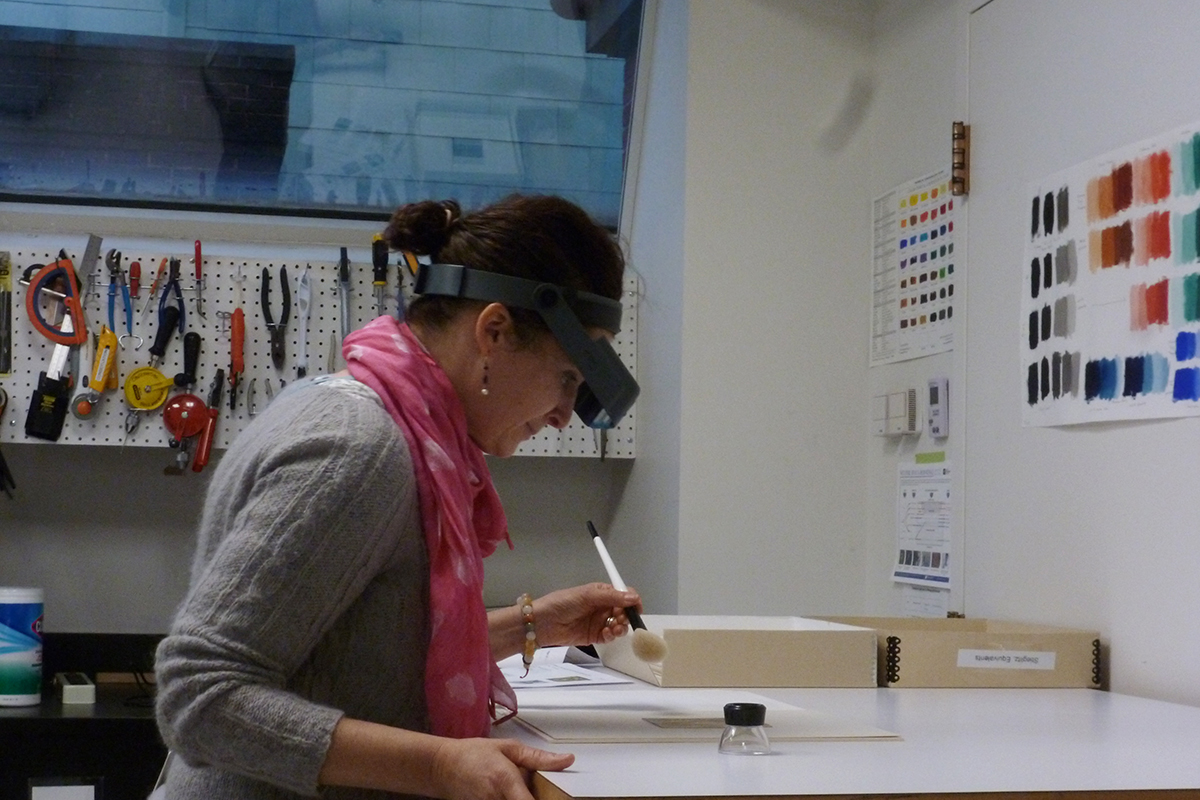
116	282
276	328
60	273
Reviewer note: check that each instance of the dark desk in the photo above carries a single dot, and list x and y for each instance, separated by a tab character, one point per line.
115	739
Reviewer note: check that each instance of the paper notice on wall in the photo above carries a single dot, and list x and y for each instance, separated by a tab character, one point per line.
923	516
914	274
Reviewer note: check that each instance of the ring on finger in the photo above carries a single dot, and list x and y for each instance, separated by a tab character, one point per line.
608	623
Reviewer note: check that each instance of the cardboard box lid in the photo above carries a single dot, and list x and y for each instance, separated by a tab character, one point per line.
980	652
751	651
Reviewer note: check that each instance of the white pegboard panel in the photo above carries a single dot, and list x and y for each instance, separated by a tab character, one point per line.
222	264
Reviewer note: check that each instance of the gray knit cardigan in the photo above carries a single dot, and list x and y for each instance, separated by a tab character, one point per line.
308	600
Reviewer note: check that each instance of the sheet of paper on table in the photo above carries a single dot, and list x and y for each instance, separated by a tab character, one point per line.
672	715
557	667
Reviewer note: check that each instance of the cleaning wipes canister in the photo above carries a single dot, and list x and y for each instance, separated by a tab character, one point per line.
20	646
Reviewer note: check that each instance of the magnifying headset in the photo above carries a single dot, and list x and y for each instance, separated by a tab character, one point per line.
608	389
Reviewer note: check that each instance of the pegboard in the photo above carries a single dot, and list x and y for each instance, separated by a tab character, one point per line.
106	426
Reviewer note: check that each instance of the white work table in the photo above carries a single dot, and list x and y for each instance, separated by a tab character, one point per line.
1002	742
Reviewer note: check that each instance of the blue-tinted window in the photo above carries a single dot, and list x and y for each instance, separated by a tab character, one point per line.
327	107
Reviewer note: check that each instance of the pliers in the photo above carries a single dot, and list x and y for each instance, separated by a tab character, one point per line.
169	288
276	328
116	281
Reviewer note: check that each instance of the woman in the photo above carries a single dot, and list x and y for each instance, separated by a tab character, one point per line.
334	637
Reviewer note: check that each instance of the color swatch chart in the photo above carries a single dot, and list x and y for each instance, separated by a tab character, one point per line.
914	271
1111	292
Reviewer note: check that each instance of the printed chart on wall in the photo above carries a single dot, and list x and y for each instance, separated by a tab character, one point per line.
912	304
1110	310
923	516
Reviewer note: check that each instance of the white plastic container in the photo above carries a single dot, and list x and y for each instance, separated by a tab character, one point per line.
20	646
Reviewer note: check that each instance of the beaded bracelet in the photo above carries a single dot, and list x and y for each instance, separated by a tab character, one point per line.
525	604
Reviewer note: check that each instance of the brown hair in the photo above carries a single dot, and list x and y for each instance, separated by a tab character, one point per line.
537	237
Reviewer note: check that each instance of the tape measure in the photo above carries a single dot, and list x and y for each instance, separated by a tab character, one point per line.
146	388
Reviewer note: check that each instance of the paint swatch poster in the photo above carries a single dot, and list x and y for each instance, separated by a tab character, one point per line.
1110	310
912	304
923	518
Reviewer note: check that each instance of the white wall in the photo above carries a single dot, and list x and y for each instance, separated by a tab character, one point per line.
920	76
771	518
1092	525
643	538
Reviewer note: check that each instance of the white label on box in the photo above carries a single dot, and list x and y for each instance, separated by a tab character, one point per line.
1006	659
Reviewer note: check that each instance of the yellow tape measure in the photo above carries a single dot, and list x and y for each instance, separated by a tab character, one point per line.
146	388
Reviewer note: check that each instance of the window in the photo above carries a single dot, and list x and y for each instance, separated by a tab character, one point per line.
336	108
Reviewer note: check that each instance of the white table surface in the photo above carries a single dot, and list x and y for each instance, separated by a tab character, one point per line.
953	741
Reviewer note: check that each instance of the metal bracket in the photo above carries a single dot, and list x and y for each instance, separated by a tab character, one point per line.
960	159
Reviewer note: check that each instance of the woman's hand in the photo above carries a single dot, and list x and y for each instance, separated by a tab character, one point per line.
490	769
373	756
583	615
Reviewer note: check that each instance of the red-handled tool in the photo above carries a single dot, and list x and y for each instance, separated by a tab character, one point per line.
237	337
199	258
210	427
59	274
135	278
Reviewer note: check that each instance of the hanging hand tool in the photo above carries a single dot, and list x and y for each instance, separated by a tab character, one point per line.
303	301
379	269
6	478
276	328
210	427
184	416
146	388
48	406
172	286
344	292
199	259
116	283
102	378
135	278
237	338
89	267
191	359
252	397
162	270
56	280
6	325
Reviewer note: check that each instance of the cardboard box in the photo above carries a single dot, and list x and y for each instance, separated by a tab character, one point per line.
977	653
732	651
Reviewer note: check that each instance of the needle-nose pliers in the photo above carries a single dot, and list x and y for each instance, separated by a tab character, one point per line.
276	328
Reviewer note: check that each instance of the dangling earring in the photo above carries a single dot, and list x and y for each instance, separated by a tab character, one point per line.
484	390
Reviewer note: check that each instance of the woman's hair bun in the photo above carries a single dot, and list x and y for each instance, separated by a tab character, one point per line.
422	228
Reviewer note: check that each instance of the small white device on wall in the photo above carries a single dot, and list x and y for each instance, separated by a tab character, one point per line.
938	408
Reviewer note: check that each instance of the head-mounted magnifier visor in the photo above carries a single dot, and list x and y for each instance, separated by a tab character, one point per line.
608	390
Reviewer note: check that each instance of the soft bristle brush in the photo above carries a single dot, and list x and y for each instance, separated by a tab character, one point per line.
647	646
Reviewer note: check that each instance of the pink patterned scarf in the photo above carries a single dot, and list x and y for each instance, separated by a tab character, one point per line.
460	513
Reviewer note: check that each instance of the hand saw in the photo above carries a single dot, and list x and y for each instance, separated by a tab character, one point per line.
60	273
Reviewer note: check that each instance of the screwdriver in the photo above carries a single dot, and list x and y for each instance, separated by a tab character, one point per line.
379	265
237	323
